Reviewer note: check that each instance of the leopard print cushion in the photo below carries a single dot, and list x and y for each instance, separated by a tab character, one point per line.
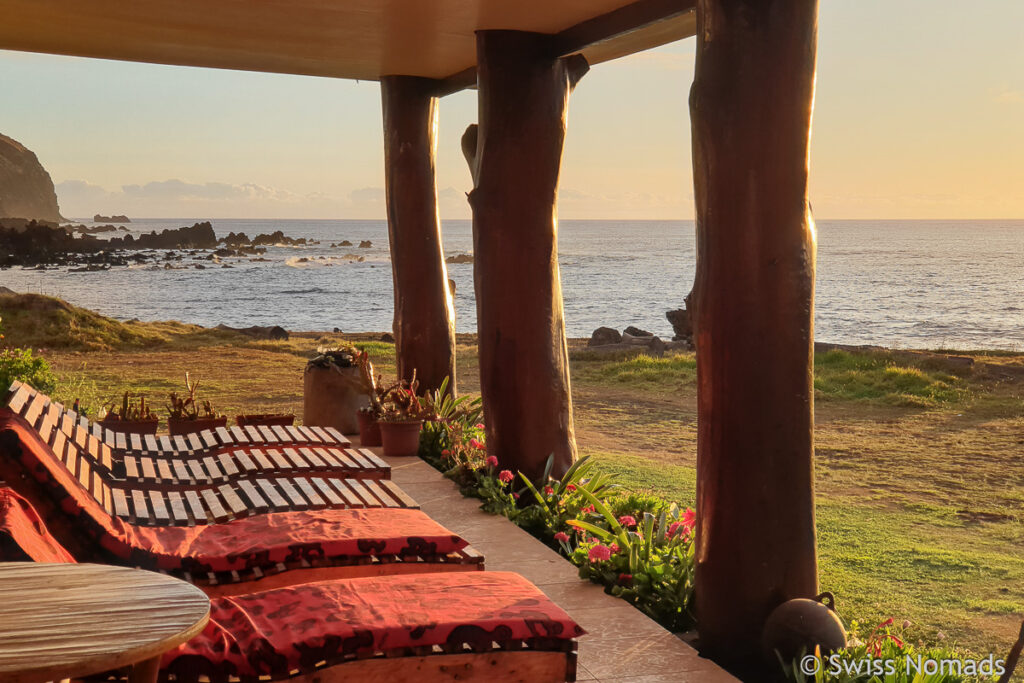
280	631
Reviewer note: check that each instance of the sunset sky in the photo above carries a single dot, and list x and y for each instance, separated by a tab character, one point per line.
919	114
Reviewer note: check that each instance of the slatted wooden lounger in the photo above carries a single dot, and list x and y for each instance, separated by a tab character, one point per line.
149	503
254	553
214	465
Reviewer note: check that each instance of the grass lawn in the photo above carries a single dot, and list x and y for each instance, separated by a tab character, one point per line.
919	470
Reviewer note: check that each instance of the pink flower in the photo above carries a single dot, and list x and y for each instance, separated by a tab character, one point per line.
570	487
673	528
476	444
505	477
516	496
562	537
492	461
615	548
689	518
589	508
548	491
625	579
599	553
446	452
627	520
479	425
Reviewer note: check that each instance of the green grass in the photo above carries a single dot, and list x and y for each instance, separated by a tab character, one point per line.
919	476
882	378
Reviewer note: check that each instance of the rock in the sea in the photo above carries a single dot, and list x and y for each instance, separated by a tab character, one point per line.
637	332
344	243
682	324
365	244
337	330
387	337
603	336
273	332
116	218
460	258
26	189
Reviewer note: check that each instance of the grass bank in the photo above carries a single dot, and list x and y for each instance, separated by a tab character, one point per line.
919	470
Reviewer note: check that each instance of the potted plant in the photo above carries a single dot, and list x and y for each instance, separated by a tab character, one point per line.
401	419
265	419
130	416
368	416
333	390
186	414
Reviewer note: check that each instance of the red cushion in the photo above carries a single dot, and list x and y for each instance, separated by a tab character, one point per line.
279	631
20	521
265	540
257	541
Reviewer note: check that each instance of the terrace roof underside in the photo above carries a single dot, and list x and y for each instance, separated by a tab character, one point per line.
355	39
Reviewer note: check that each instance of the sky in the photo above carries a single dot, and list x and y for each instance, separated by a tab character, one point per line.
919	114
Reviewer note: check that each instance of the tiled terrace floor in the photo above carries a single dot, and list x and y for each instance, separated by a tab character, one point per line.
621	645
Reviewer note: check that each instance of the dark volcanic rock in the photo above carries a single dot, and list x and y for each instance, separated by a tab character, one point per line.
604	335
460	258
276	237
26	189
116	218
682	325
365	244
637	332
274	332
86	230
42	244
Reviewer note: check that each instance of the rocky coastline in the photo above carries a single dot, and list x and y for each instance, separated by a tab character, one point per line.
42	245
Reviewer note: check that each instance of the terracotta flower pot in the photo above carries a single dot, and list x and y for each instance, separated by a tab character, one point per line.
266	420
369	429
400	439
179	426
131	426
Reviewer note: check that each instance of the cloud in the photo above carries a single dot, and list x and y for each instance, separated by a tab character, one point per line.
175	198
368	195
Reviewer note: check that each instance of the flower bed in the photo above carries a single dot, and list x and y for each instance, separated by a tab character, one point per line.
641	549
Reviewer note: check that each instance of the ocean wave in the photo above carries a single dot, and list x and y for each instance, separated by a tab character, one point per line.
318	261
311	290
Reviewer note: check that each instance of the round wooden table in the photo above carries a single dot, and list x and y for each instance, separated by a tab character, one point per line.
67	620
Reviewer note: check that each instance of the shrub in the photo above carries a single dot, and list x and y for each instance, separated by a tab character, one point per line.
22	364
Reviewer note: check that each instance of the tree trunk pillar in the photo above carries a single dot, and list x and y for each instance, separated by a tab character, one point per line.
751	105
424	324
515	157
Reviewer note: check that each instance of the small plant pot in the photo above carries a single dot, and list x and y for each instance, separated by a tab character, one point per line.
131	426
369	429
266	420
400	439
179	426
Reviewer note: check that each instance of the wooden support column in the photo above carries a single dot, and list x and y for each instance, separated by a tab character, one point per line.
751	105
424	324
515	156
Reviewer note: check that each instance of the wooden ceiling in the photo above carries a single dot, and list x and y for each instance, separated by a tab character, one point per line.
358	39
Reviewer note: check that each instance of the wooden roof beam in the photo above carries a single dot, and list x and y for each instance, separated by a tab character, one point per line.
614	24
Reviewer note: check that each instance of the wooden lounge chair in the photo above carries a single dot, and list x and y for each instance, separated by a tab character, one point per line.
250	554
87	460
491	626
207	457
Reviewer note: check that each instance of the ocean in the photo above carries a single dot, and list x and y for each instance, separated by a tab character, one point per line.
902	284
